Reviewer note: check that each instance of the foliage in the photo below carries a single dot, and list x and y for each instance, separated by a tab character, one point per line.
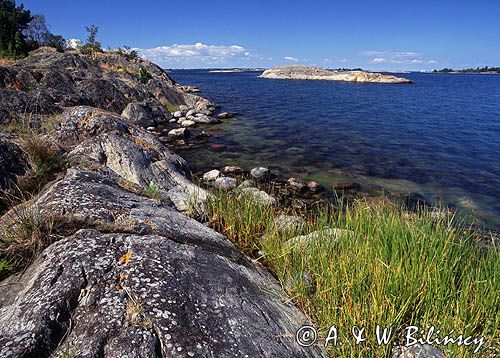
397	268
13	21
152	192
5	267
144	76
129	53
92	45
485	69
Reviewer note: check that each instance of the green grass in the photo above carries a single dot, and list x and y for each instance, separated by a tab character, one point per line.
5	268
397	269
152	192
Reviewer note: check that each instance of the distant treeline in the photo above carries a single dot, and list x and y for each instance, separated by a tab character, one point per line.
469	70
347	69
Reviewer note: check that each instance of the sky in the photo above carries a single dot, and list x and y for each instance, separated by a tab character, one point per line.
373	35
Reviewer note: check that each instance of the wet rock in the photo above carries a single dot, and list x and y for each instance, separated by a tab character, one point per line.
191	112
204	119
178	133
260	173
211	175
417	351
224	115
314	186
296	185
303	242
218	146
259	196
289	222
225	183
232	170
187	123
346	186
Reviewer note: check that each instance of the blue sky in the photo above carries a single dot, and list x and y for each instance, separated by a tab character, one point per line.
376	35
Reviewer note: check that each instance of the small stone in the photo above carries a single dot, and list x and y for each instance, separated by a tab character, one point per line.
306	241
178	133
417	351
225	183
173	120
211	175
188	123
260	173
260	197
314	186
289	222
246	184
191	112
224	115
177	114
151	128
296	184
232	170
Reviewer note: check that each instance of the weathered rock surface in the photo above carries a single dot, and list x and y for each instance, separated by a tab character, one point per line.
225	183
135	277
12	163
417	351
211	175
260	196
146	113
318	73
306	241
45	82
260	173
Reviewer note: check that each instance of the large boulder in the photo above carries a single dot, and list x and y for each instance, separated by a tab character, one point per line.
146	113
96	137
156	284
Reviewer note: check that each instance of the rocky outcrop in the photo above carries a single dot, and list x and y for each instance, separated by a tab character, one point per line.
12	162
45	82
128	273
318	73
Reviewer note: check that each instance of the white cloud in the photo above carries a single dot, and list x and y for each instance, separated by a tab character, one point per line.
378	60
432	62
399	58
344	60
198	54
290	58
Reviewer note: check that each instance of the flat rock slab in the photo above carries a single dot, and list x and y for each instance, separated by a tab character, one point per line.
125	294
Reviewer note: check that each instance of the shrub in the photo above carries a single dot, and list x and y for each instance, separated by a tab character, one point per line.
144	76
152	192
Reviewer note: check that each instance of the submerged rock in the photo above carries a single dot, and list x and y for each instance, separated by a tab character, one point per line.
178	133
224	115
345	186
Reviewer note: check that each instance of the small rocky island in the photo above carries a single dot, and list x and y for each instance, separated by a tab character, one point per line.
318	73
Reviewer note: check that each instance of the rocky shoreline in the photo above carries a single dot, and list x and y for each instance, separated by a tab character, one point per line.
318	73
125	268
122	269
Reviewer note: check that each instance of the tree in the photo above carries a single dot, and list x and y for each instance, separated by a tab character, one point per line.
92	46
38	31
14	21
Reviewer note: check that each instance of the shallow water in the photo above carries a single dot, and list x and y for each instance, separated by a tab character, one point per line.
439	137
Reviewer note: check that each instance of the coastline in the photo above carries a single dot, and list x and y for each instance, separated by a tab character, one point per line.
141	227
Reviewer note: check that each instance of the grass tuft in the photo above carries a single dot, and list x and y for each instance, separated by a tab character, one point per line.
393	269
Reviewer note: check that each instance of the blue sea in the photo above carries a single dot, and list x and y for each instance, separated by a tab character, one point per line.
439	137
